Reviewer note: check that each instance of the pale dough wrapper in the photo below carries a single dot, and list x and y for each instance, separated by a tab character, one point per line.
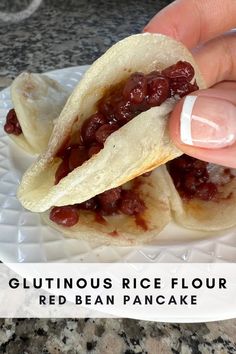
139	146
124	230
38	100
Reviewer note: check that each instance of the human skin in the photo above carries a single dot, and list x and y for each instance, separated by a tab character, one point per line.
206	28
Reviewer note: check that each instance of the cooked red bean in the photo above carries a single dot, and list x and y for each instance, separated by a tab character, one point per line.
108	201
18	129
110	196
200	168
90	127
67	151
206	191
135	88
191	183
158	90
11	116
90	204
123	112
62	170
78	155
182	69
130	203
104	131
12	125
183	162
107	105
64	150
9	128
94	149
66	215
109	208
182	88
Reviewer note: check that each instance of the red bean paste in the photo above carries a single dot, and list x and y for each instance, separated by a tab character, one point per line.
192	178
12	125
122	103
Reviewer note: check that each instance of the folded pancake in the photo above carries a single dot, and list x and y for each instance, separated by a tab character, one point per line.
203	195
37	101
119	228
141	145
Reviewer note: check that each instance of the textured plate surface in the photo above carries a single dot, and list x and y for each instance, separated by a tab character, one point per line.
24	237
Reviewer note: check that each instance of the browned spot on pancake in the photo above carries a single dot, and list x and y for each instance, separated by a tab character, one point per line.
141	222
114	233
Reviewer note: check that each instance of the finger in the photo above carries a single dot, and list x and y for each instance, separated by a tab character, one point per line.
225	85
216	59
194	21
206	127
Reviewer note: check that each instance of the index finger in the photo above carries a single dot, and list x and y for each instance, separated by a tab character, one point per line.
193	22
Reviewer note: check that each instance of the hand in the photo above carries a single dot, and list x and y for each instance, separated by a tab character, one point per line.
203	125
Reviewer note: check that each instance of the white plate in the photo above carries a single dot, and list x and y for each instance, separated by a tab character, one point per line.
24	238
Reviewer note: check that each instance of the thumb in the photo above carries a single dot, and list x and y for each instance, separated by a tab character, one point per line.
203	125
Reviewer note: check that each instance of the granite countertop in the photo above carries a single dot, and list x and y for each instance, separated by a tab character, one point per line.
68	33
114	336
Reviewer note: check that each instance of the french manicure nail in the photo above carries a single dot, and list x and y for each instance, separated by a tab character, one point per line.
208	122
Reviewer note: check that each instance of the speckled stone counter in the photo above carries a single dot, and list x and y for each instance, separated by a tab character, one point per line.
118	336
69	33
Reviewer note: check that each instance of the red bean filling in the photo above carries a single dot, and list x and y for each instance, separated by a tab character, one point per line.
12	125
116	200
65	215
122	103
191	178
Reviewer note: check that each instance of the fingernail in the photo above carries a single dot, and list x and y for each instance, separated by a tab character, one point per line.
208	122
